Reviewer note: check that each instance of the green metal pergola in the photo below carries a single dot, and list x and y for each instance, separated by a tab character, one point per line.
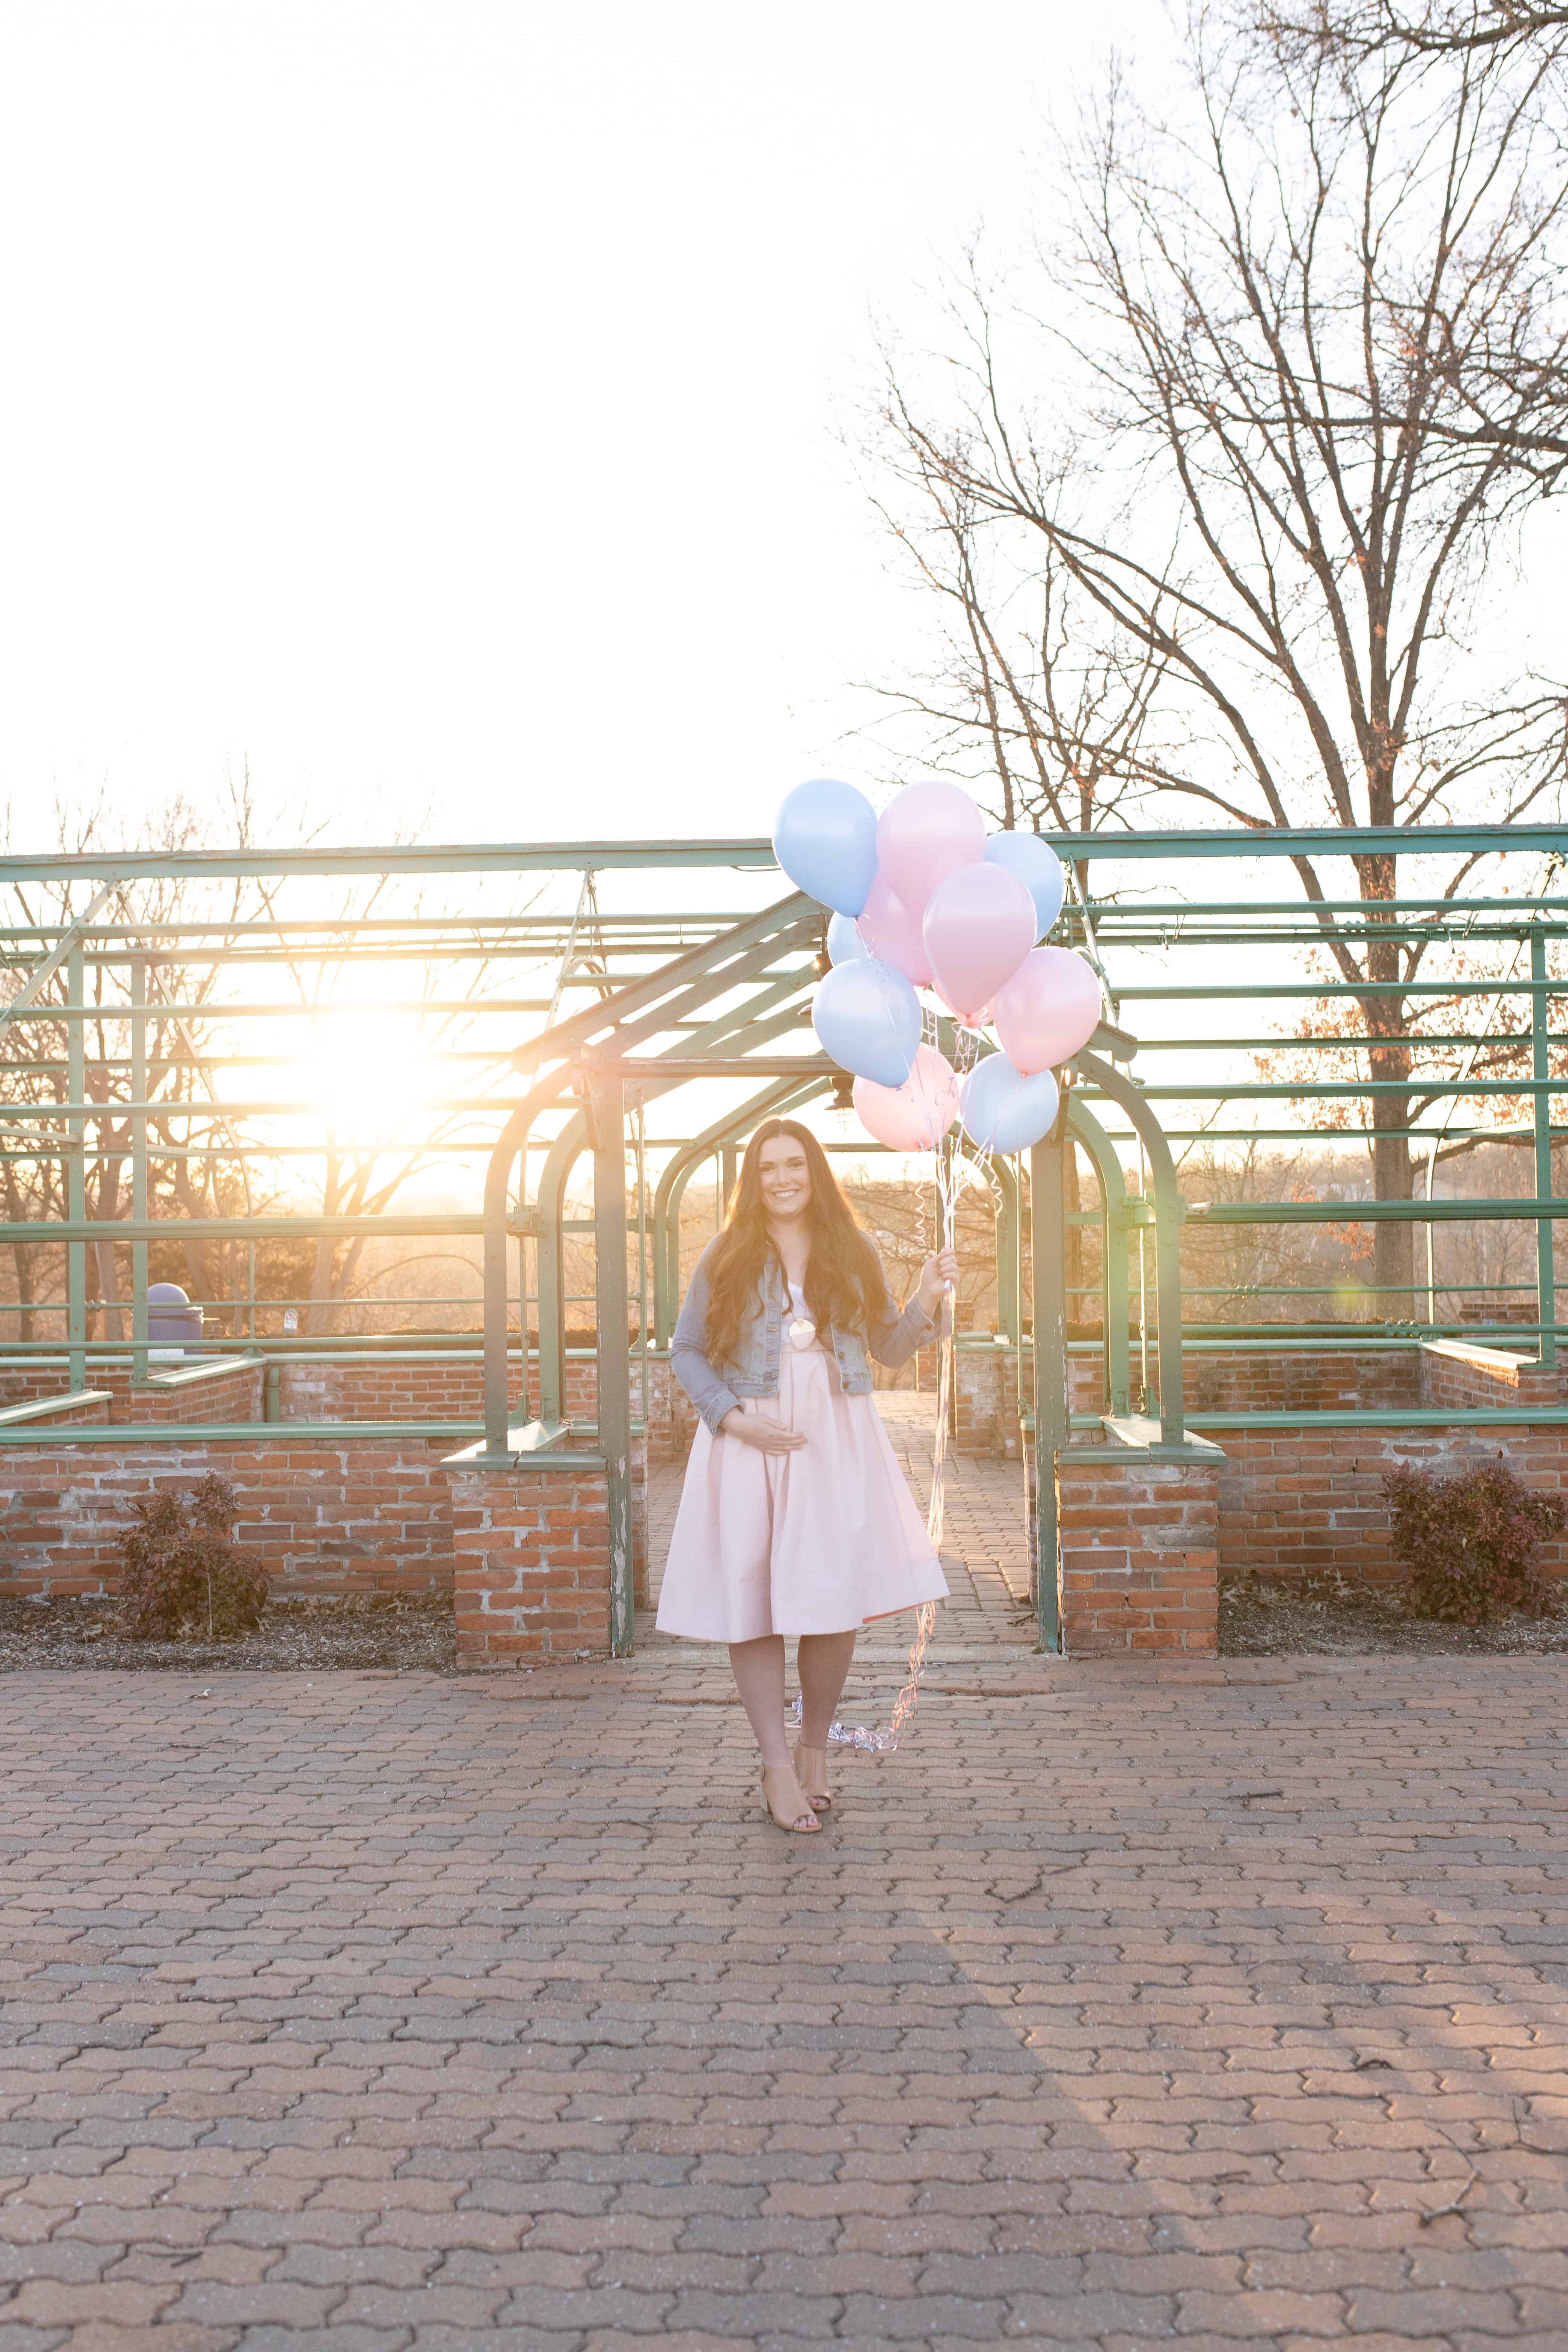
636	1006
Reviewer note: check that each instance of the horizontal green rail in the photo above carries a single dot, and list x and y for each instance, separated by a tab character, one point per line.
1332	1090
240	1433
749	851
1360	1212
153	1229
1519	1042
1248	989
1172	917
392	858
1389	1417
348	1009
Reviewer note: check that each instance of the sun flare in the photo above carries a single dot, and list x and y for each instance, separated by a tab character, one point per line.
370	1071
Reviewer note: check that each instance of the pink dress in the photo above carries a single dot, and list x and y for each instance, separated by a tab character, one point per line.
818	1541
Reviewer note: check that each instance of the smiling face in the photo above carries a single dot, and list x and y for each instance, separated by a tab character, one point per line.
784	1175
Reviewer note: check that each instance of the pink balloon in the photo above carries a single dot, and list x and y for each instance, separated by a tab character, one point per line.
893	934
1048	1011
979	927
981	1020
926	832
917	1115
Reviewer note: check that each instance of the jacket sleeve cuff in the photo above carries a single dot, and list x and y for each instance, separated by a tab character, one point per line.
713	1408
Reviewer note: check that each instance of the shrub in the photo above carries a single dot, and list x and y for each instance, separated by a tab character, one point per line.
184	1574
1470	1542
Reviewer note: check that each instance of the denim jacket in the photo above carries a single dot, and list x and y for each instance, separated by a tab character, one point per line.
715	1390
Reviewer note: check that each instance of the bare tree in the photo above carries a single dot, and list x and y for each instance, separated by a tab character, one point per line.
1305	348
1049	717
1433	28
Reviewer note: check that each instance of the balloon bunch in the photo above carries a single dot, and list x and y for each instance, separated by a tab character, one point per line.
922	898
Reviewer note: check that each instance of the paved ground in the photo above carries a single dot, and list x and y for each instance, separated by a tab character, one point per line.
379	2012
1224	2005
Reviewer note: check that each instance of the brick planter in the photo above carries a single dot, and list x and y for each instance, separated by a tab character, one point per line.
531	1548
531	1554
221	1389
1140	1550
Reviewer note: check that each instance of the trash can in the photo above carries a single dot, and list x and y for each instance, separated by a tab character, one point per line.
173	1325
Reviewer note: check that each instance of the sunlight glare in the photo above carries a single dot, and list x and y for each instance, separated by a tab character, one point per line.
370	1071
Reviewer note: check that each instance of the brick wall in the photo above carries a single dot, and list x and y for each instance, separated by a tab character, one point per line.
1459	1378
452	1389
433	1387
532	1560
1298	1504
229	1393
671	1417
372	1517
26	1383
225	1395
1139	1554
1380	1380
1241	1381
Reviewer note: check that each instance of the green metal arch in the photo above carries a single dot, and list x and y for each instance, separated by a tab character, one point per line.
1083	1124
1167	1237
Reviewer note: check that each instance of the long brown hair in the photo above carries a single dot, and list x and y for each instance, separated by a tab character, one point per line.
843	1283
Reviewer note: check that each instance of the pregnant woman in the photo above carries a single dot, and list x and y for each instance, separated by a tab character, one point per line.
794	1519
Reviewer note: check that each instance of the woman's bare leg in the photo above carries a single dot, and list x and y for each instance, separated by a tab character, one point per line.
824	1664
759	1671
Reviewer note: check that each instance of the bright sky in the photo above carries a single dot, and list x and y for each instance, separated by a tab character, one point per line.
434	400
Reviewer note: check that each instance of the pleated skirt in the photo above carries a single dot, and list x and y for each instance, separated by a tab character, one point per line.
821	1540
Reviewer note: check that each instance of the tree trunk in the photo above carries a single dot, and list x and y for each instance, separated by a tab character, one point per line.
1393	1178
107	1207
1392	1168
21	1258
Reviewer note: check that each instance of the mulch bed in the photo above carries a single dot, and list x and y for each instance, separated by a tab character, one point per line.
1263	1616
415	1633
381	1632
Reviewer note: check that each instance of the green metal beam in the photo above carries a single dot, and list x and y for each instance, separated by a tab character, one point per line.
751	851
1050	1419
683	986
1362	1212
229	1229
391	858
607	1119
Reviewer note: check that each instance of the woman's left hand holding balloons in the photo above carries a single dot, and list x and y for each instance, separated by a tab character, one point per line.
938	1279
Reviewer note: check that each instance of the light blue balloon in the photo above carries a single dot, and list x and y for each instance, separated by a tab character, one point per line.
845	944
867	1020
1037	866
825	837
1004	1111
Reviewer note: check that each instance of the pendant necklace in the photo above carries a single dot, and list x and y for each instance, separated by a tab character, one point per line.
802	1330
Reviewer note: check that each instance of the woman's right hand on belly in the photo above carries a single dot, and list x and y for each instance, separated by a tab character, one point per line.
764	1436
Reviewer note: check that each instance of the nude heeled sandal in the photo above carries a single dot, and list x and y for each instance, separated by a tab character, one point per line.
787	1801
811	1771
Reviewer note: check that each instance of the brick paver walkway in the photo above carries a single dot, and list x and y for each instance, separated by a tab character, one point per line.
1226	2005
